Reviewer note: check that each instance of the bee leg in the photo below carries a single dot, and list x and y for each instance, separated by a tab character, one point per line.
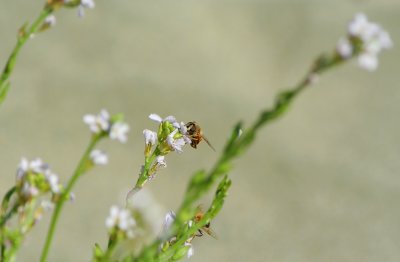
199	233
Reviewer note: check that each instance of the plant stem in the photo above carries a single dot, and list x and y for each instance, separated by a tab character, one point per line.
65	195
23	37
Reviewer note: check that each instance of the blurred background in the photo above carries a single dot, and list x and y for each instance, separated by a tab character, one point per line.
321	184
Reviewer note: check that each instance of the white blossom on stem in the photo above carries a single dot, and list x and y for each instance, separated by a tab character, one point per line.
85	4
373	40
159	119
99	157
50	20
175	144
121	219
98	123
119	131
150	137
190	251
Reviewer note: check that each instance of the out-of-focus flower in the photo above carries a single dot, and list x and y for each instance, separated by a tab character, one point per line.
50	20
168	220
85	4
119	132
190	251
366	39
122	220
98	123
99	157
344	48
35	177
103	123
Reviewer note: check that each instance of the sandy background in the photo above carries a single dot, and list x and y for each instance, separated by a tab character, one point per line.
322	184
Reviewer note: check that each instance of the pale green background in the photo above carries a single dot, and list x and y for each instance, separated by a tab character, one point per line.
322	184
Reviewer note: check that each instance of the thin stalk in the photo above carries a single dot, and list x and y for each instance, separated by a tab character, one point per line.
57	211
23	37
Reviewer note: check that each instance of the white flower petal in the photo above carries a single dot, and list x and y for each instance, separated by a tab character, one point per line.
119	131
99	157
368	61
155	117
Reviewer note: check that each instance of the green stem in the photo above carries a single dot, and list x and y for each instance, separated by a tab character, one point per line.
23	37
81	168
4	205
144	175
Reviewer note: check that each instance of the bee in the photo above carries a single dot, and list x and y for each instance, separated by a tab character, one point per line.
196	135
207	227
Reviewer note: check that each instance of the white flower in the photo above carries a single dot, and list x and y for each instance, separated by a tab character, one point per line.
161	161
22	169
159	119
168	220
150	137
344	48
175	144
190	251
52	179
374	40
122	219
119	132
368	61
358	25
38	166
85	4
29	190
98	123
99	157
50	20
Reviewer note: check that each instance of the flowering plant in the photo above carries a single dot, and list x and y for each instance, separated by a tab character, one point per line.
132	234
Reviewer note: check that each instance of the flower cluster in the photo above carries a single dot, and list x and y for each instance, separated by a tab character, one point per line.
98	157
120	222
366	40
89	4
187	247
35	178
103	124
170	136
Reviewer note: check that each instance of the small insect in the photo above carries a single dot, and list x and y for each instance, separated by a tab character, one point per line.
196	135
207	228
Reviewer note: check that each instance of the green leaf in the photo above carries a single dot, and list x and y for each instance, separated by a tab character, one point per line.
98	252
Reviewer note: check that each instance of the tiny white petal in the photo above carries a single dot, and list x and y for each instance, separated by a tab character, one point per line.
119	131
190	251
168	220
88	3
22	169
99	157
170	119
368	61
150	137
50	20
344	48
161	161
155	117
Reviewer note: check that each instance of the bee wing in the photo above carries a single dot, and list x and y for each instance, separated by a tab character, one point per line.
208	143
210	232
